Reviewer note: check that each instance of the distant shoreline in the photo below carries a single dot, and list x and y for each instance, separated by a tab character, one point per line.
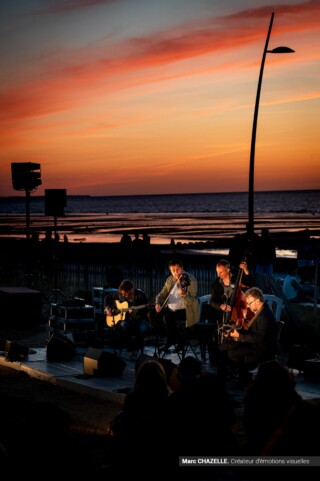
160	194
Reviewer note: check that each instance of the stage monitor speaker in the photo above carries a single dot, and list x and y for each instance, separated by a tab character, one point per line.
60	347
100	363
55	202
14	351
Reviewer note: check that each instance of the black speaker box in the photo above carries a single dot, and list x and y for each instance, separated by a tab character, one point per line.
100	363
60	347
14	351
20	306
55	202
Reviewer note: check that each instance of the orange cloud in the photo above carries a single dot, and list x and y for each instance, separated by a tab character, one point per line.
62	87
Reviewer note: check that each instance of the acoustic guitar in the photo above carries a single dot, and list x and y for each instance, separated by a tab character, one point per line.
120	311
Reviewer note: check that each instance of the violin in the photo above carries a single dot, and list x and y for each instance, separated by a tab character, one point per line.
183	282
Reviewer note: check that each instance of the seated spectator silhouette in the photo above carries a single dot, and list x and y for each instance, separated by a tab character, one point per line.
292	288
298	431
198	408
138	429
268	401
47	426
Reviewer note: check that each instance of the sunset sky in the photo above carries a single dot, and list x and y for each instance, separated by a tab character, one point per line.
121	97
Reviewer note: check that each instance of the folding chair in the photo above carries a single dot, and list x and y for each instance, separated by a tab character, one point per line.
196	332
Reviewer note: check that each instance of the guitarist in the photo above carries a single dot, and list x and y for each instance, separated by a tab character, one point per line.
126	312
254	343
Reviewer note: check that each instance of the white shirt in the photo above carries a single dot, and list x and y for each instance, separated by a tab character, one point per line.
175	301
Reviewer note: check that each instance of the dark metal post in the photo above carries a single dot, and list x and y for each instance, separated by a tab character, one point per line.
27	214
250	224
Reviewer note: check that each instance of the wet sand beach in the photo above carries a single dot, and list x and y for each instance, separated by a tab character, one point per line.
184	228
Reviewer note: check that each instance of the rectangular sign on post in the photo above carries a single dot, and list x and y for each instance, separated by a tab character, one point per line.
55	202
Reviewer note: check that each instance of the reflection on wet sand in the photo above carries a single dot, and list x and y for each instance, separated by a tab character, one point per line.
184	227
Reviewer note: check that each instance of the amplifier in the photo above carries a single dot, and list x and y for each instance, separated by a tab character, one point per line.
98	296
72	324
20	306
71	312
83	330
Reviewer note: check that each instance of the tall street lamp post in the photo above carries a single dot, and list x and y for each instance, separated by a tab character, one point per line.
250	225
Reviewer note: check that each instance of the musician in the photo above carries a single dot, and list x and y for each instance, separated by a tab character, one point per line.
223	290
177	301
130	325
255	342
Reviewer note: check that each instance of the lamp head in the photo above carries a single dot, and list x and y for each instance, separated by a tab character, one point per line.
281	50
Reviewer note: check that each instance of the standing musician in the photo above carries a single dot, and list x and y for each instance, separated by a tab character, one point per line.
255	342
126	312
177	301
227	305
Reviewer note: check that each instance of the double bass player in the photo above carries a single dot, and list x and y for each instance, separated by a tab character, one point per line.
226	289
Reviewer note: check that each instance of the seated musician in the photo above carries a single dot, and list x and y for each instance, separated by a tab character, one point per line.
126	311
177	301
255	341
220	309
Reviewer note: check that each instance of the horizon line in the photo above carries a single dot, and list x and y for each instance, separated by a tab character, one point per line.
155	195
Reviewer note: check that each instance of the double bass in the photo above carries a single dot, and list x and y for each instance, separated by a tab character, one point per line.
238	315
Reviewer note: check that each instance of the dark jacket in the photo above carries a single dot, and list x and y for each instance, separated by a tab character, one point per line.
261	334
218	296
140	299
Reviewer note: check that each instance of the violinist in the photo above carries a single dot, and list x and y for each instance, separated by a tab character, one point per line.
225	288
177	301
